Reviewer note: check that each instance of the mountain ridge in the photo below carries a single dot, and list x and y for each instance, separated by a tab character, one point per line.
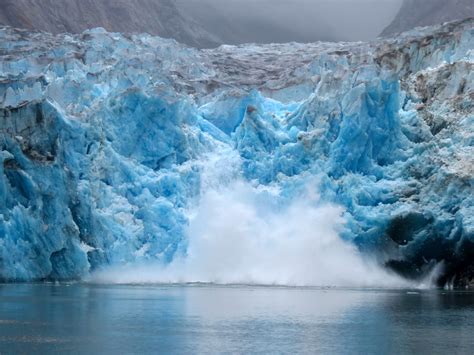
157	17
415	13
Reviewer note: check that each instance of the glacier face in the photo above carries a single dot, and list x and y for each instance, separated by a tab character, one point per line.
105	138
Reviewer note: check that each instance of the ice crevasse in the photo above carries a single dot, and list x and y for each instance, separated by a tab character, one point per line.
106	141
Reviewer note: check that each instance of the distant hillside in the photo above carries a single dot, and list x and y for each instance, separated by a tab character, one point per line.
415	13
158	17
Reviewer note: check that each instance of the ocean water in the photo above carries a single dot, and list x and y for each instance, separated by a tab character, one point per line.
91	319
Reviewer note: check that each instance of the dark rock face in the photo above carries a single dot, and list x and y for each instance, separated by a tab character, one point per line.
157	17
415	13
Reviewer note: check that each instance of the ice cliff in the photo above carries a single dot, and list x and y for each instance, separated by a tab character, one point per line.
106	139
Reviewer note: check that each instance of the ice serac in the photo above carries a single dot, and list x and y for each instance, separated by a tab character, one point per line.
105	140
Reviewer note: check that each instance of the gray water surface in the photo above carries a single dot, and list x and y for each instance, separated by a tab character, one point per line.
91	319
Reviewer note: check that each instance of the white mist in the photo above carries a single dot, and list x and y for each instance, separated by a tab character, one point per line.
238	234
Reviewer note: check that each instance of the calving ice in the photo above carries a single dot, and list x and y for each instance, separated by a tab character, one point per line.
318	164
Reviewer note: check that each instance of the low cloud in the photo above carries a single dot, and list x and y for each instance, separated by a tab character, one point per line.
239	21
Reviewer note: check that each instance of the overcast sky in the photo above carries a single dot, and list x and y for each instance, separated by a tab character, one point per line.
300	20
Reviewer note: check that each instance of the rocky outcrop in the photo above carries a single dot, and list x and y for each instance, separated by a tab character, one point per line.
157	17
417	13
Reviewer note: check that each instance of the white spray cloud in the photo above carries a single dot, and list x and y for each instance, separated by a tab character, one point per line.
239	235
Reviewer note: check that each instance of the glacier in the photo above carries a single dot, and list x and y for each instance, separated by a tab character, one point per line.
106	142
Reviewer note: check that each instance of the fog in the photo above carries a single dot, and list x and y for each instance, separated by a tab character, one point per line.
236	21
294	246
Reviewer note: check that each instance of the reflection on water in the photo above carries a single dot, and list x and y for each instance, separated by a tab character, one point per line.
196	319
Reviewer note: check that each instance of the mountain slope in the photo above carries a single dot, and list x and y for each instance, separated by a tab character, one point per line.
157	17
416	13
